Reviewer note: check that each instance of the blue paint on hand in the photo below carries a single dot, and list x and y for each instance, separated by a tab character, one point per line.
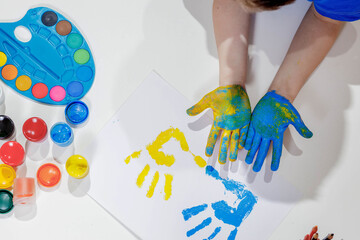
221	210
270	118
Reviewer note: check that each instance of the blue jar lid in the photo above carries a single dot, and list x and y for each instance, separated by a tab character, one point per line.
61	134
76	112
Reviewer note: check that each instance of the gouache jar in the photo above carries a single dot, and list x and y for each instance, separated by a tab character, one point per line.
48	175
76	113
7	128
77	166
62	134
35	129
6	201
12	153
24	191
7	176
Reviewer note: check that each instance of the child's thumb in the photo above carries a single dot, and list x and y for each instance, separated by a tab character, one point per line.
301	128
198	107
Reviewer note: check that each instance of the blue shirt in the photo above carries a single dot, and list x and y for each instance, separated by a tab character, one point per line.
342	10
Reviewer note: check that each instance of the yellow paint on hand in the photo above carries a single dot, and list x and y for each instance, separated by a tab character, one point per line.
153	185
141	178
230	110
167	188
287	113
154	148
133	155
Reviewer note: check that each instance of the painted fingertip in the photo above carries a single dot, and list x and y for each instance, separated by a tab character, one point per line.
249	159
274	167
209	151
222	158
308	134
256	168
188	111
233	157
221	162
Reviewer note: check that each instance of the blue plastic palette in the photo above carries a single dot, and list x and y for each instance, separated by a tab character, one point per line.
55	67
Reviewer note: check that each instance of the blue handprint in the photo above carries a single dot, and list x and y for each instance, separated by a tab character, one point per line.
222	211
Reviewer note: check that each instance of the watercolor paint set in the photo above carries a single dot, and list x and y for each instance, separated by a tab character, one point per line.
43	57
53	64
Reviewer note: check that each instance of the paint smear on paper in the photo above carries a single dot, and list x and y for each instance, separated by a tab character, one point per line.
167	188
232	216
162	158
155	180
202	225
189	212
141	178
132	156
168	159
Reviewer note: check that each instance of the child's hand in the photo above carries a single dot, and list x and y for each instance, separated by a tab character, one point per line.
231	109
269	120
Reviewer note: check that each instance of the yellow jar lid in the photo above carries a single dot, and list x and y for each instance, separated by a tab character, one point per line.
77	166
7	176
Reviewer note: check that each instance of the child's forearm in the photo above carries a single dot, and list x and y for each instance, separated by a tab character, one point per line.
312	41
231	25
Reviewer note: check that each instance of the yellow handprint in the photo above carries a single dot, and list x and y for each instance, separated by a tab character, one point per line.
161	158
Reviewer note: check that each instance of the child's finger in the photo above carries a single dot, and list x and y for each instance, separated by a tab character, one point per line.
224	146
249	138
254	147
199	107
263	150
243	135
213	135
234	145
276	154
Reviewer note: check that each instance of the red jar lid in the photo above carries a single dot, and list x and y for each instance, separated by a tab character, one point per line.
12	153
35	129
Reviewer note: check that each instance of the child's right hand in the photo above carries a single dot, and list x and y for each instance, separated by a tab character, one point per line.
231	109
270	118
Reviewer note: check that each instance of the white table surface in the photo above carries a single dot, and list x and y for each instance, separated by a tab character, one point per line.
130	38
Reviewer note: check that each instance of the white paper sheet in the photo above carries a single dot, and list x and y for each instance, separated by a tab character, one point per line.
194	202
